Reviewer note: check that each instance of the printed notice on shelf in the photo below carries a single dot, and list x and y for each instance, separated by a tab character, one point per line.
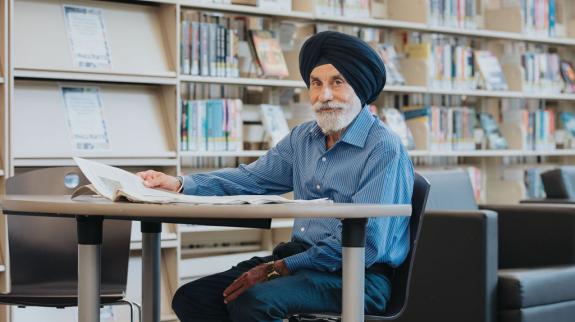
86	118
87	37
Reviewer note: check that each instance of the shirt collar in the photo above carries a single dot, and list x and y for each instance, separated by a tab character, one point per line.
356	133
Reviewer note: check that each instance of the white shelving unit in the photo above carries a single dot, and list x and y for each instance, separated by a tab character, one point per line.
391	88
245	153
382	23
490	153
243	81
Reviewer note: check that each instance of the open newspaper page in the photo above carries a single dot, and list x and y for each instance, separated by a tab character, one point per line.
114	184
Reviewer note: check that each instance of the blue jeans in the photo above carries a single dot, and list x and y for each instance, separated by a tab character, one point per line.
306	291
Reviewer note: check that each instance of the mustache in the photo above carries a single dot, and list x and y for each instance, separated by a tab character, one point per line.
319	107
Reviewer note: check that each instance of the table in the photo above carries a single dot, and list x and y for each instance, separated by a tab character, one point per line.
90	213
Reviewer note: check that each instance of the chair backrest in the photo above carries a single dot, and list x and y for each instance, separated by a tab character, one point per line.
43	250
450	190
402	276
559	183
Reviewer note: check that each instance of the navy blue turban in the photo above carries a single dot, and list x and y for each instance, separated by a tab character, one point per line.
357	62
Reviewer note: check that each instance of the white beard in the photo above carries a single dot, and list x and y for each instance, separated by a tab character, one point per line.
336	120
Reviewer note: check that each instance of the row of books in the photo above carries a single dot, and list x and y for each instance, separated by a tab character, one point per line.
209	47
222	46
280	5
433	124
539	16
436	128
211	125
450	61
528	125
344	8
453	13
542	72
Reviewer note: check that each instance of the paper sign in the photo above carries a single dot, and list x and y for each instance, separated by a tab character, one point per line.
87	37
86	118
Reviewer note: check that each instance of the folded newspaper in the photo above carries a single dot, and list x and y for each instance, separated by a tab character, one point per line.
116	184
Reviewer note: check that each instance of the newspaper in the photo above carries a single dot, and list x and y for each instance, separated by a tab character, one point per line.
116	184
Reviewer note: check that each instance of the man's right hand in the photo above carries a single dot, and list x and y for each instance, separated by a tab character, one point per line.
155	179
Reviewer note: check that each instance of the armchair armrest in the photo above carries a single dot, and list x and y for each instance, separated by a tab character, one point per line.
535	235
455	269
548	201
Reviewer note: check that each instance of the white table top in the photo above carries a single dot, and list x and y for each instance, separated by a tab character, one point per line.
91	206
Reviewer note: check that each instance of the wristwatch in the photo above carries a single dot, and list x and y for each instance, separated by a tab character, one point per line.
271	271
181	181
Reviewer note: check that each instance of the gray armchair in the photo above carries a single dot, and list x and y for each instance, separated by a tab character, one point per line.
519	260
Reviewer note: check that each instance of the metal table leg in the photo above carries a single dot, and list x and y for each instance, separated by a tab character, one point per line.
151	257
353	270
89	231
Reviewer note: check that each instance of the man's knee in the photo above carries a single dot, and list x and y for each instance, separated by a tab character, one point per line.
180	302
251	306
188	300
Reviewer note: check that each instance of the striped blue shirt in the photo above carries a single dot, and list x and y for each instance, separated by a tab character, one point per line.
367	165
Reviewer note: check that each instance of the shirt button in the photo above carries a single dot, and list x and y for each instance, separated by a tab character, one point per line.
302	229
324	159
318	187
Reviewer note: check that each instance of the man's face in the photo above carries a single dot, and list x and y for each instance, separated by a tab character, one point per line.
333	100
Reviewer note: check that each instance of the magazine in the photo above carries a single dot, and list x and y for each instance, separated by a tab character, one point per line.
119	185
268	53
568	74
491	71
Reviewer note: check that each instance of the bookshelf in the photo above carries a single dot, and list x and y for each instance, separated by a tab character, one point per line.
138	95
299	14
145	79
151	34
5	60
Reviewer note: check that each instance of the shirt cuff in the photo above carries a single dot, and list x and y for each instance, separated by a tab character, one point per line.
298	261
189	186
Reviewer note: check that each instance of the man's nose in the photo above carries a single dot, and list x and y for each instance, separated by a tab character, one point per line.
326	94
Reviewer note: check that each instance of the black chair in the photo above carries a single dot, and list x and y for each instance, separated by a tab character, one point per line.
402	276
43	253
559	183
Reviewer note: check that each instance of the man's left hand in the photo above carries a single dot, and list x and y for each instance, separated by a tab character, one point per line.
248	279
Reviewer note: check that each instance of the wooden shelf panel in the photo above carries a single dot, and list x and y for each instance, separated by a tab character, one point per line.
136	118
413	153
243	81
119	162
160	79
382	23
246	153
478	93
190	229
490	153
219	250
169	318
252	10
139	46
137	245
390	88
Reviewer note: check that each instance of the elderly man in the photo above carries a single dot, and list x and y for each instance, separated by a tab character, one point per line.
346	155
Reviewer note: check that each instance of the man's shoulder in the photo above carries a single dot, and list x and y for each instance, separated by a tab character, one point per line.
382	138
